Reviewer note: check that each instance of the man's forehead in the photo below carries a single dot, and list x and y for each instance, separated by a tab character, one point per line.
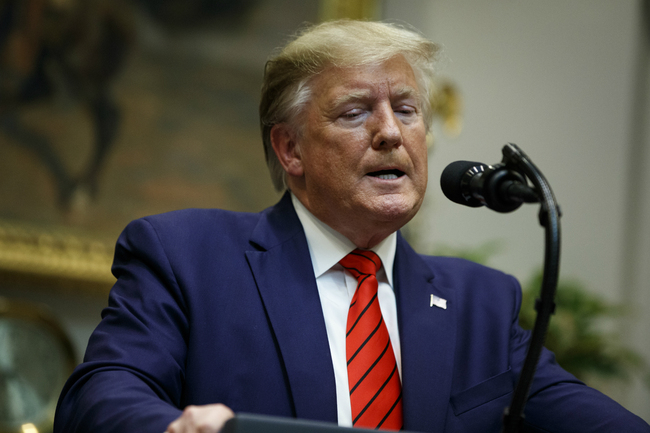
394	77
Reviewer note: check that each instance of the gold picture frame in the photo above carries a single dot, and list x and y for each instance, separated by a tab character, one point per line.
54	259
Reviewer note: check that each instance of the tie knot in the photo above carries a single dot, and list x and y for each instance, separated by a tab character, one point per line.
360	262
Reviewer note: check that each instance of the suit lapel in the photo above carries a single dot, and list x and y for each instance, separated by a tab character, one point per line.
427	338
285	279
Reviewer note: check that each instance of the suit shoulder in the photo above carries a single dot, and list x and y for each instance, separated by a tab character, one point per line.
442	263
193	216
195	225
454	271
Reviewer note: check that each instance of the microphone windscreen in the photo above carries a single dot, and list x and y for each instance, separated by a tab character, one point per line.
451	182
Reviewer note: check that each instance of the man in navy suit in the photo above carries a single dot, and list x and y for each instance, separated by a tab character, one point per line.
217	312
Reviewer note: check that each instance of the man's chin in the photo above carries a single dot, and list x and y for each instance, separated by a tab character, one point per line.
397	210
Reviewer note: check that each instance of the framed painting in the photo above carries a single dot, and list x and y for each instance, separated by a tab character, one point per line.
112	110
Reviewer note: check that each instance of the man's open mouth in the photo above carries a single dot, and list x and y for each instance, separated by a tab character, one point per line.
387	174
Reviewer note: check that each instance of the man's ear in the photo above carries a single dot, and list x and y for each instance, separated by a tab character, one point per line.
287	149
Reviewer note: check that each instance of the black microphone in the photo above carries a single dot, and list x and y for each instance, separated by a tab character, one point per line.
498	187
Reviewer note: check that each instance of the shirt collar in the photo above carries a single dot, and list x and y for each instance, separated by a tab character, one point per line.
327	246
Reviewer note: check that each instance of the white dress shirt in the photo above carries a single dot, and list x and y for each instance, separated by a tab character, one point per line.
336	289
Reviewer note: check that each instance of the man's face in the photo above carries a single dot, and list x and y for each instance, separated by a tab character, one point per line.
363	148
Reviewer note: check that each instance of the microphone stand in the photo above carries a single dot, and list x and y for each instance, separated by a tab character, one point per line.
549	218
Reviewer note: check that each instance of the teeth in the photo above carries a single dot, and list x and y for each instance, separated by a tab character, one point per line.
387	176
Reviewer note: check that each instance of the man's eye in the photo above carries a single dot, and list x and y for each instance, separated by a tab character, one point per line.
405	110
351	114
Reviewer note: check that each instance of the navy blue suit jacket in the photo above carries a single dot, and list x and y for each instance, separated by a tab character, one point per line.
216	306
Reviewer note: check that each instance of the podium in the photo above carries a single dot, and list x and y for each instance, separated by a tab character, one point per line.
250	423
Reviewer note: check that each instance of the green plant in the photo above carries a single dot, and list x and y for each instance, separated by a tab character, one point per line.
580	332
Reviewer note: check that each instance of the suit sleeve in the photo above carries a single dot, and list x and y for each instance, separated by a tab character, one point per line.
558	402
132	374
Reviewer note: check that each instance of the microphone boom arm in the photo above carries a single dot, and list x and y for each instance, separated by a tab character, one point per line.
549	218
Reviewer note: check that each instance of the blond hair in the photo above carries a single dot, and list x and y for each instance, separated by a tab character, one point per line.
343	43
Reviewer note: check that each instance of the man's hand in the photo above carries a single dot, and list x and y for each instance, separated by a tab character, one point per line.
201	419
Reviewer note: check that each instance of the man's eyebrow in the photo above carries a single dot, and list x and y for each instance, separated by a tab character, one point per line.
404	92
401	92
351	97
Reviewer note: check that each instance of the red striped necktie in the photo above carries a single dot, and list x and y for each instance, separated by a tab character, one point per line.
375	388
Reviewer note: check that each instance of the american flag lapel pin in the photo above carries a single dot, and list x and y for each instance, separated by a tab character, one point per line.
438	302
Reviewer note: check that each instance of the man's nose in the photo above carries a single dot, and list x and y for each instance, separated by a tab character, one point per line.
387	131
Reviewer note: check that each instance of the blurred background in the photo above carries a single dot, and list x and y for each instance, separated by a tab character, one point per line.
115	109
